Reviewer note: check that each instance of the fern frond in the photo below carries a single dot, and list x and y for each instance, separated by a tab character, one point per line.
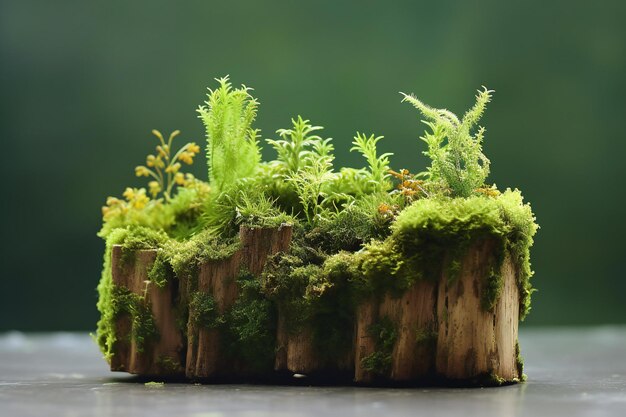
441	116
378	164
456	155
232	144
473	115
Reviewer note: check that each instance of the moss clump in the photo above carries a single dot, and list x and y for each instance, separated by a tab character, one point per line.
186	256
169	364
251	326
385	334
432	228
519	362
143	328
132	239
425	336
203	311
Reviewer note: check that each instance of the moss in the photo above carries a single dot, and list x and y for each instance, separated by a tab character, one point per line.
186	256
519	362
131	239
382	267
251	326
203	311
143	328
385	334
425	336
160	272
435	227
168	364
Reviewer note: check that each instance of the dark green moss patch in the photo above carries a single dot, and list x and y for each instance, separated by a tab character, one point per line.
203	311
385	334
251	326
143	328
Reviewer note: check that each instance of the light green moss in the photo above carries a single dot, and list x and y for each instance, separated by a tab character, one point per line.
432	228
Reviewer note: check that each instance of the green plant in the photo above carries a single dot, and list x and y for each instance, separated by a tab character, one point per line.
378	174
456	153
309	179
232	144
294	146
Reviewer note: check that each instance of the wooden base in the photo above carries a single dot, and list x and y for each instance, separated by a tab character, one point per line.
442	332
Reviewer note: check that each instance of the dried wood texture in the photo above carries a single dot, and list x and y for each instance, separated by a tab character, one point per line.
205	358
161	356
472	342
441	328
413	314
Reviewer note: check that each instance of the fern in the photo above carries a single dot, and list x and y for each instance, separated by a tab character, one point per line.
455	152
232	144
294	145
378	165
315	171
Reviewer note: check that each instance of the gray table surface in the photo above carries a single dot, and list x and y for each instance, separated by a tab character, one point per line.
571	372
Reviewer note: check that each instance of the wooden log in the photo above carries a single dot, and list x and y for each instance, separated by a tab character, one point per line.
440	326
413	317
205	356
474	343
157	356
414	352
218	279
365	343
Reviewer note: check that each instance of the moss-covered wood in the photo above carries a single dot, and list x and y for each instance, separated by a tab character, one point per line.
437	329
148	341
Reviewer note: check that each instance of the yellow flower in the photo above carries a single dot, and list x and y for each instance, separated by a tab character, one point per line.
129	193
193	148
161	151
157	134
111	201
179	178
158	162
142	171
141	199
155	188
173	168
186	157
150	160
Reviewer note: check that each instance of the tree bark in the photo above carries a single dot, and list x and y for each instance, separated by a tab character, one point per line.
205	356
161	356
473	342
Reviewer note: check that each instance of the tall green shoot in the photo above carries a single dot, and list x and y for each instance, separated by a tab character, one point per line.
455	152
232	144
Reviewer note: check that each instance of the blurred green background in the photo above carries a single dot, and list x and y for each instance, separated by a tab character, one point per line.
83	83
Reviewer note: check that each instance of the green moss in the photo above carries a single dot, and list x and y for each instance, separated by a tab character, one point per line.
186	256
169	364
251	326
203	311
160	272
143	328
433	228
385	334
425	336
519	362
131	239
